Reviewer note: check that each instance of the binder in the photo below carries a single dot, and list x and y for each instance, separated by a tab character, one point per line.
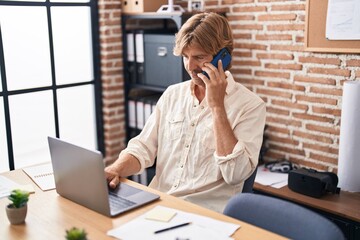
140	118
140	106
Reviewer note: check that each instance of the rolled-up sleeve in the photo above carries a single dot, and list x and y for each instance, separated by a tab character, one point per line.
240	164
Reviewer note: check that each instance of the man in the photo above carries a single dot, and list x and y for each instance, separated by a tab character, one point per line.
205	133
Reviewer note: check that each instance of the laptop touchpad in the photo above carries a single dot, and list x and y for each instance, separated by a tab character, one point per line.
124	190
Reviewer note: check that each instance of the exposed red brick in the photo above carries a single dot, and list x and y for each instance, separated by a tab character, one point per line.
317	128
323	158
325	149
244	54
277	129
322	100
290	105
286	122
327	81
328	91
353	63
301	162
315	137
241	71
332	61
274	93
323	110
277	17
242	36
285	140
283	85
294	48
305	116
263	37
286	27
251	82
274	155
357	74
246	63
239	18
235	1
272	74
284	66
277	111
290	7
279	56
249	9
299	39
251	46
287	150
248	27
331	71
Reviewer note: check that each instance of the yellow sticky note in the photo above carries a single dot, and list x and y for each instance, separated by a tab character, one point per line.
160	214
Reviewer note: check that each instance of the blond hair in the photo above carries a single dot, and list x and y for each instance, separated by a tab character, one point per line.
209	30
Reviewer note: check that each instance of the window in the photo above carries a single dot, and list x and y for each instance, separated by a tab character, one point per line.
50	83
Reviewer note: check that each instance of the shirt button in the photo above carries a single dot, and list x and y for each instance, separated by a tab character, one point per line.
193	124
194	105
181	166
202	107
175	185
187	146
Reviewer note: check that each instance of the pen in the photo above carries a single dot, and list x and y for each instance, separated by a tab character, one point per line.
173	227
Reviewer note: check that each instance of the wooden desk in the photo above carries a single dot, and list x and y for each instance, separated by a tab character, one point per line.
49	215
343	208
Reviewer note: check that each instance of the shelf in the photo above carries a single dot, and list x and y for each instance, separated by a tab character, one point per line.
177	17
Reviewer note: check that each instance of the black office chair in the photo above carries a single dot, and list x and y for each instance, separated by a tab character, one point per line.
249	183
281	217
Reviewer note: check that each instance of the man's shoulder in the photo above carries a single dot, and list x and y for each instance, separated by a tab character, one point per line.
250	95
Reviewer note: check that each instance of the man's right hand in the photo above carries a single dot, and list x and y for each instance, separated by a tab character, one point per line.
112	176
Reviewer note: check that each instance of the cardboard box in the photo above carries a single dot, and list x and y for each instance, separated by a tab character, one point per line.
140	6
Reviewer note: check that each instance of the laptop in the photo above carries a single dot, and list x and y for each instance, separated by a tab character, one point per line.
80	177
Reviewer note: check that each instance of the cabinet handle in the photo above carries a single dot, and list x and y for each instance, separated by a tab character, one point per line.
162	51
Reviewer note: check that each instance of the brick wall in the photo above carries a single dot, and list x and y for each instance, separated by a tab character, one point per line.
112	77
302	89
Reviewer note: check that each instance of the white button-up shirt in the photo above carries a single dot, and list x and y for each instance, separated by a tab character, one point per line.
179	134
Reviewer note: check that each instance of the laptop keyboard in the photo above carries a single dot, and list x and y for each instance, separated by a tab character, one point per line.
117	202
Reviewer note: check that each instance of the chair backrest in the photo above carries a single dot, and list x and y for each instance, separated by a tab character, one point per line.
249	183
281	217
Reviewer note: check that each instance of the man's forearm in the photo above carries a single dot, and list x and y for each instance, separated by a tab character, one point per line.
224	136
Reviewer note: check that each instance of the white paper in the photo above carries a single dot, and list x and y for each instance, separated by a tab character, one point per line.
200	228
267	178
7	185
343	20
42	175
349	147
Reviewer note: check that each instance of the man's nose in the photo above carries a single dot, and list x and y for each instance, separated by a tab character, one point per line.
192	65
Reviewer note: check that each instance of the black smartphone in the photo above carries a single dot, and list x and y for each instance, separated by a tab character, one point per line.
225	57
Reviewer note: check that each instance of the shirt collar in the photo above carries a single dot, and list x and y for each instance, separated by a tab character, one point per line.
231	83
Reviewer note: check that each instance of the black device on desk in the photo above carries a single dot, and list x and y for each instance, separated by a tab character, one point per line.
312	183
